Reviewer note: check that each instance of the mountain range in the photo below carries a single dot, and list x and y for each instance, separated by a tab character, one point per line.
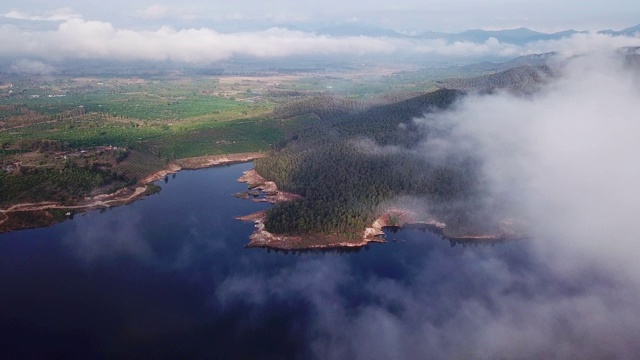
519	36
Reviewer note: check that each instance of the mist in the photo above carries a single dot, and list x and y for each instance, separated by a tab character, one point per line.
31	67
565	160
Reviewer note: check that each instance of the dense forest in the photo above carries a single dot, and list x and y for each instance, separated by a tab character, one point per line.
519	80
335	166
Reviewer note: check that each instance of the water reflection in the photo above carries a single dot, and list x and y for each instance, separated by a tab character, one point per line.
108	235
169	277
338	250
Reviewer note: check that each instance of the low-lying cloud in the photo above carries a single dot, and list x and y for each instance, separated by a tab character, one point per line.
564	158
31	67
77	38
62	14
81	39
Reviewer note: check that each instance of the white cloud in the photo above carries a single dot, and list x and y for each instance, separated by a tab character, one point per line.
31	67
579	44
491	47
76	38
567	159
61	14
154	12
567	155
83	39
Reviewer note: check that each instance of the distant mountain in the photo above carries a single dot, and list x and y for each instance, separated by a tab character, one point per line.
432	35
521	75
630	31
509	35
519	36
526	60
529	60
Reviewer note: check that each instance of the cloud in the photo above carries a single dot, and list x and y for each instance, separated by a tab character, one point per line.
62	14
165	13
491	47
77	38
579	44
566	158
81	39
368	146
31	67
154	12
89	242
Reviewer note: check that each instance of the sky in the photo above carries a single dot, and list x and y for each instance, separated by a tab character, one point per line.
405	15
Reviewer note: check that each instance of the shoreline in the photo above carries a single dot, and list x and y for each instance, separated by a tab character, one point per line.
261	238
270	189
201	162
391	218
123	196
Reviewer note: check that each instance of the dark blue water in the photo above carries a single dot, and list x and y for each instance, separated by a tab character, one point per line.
168	277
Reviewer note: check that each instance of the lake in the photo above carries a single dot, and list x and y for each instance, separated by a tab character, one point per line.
168	277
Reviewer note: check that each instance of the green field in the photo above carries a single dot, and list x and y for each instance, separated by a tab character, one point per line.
159	117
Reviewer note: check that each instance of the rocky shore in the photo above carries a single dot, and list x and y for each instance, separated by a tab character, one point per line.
390	218
263	238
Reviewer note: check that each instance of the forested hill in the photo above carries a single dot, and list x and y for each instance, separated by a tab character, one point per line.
524	79
347	165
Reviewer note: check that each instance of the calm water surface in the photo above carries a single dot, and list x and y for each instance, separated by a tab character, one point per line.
168	277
